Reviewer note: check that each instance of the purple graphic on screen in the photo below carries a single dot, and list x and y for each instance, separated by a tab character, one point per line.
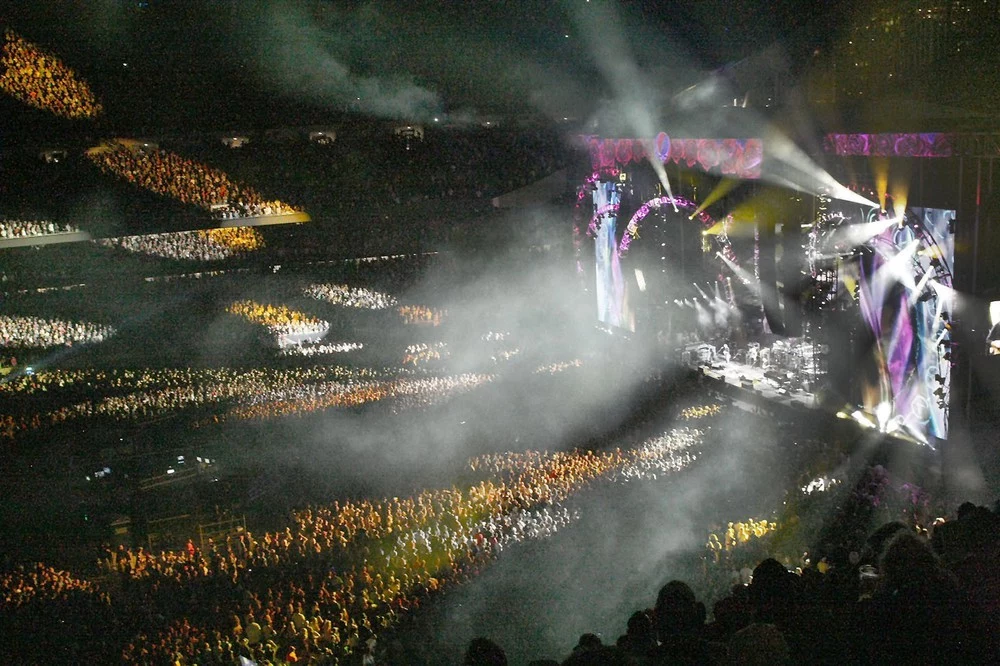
928	144
904	294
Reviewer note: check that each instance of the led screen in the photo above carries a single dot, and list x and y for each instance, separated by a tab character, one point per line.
993	339
903	286
613	306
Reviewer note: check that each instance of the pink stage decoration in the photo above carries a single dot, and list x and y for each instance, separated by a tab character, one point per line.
632	229
740	158
930	144
610	209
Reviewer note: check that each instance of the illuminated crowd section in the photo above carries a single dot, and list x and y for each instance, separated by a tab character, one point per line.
277	318
139	394
199	245
186	180
30	228
321	349
36	332
405	393
354	297
422	353
381	558
39	79
421	315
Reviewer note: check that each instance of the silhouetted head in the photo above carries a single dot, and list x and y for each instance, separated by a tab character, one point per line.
484	652
676	610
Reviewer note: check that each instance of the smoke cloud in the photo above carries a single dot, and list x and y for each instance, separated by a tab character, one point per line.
305	55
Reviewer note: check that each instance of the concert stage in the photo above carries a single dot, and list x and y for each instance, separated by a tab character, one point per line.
846	294
768	385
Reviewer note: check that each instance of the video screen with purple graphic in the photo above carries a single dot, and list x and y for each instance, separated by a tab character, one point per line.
613	303
901	278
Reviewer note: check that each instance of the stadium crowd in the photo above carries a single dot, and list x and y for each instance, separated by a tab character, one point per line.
402	393
28	332
186	180
233	393
278	319
423	352
200	245
333	580
421	315
43	81
320	349
354	297
700	412
558	366
24	585
30	228
152	393
336	582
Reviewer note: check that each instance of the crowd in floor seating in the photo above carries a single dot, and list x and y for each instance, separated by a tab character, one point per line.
700	411
27	584
85	382
240	394
353	297
333	584
146	394
309	350
199	245
279	319
43	81
558	366
330	583
153	393
185	180
421	315
422	352
736	534
402	394
31	228
35	332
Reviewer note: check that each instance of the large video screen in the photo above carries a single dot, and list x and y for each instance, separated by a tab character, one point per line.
902	279
613	302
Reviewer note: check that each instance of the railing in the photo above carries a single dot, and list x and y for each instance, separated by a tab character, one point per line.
220	529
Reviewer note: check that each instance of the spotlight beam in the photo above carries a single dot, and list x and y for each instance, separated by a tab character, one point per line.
791	167
859	234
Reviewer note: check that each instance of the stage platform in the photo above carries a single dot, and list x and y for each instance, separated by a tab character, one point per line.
755	379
